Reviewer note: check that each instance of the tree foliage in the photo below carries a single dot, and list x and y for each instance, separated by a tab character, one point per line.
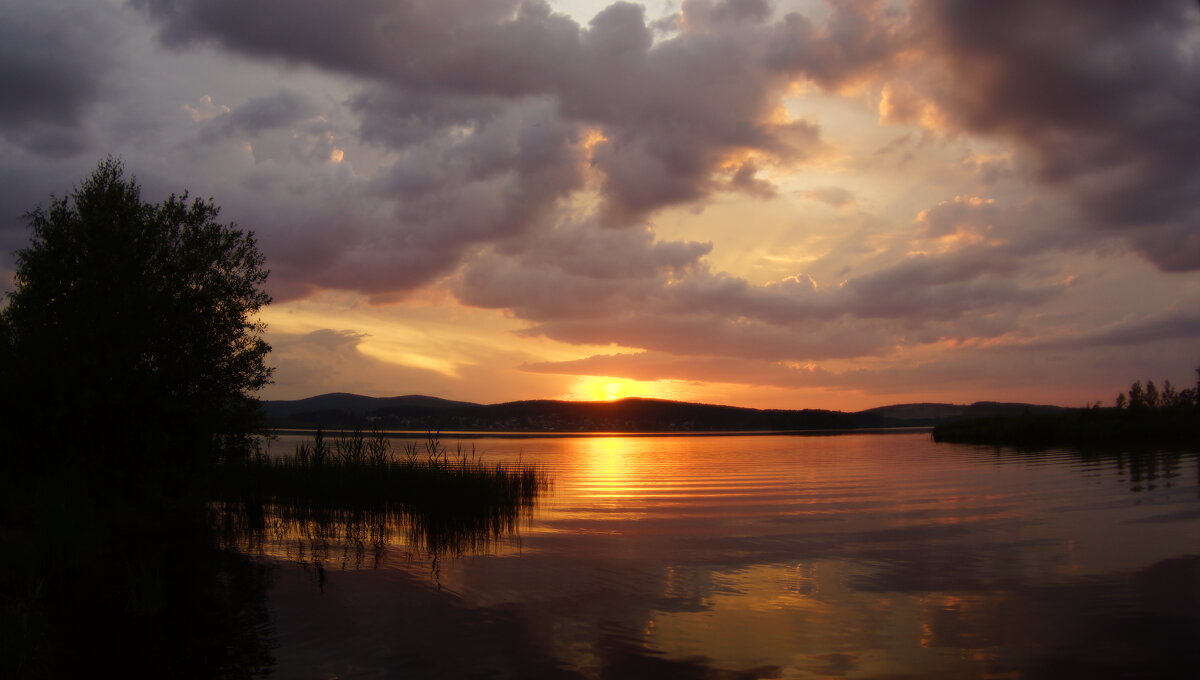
1150	398
135	322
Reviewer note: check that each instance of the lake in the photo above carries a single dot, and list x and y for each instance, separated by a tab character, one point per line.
848	556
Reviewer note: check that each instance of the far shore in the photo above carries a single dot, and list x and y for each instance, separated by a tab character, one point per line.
505	434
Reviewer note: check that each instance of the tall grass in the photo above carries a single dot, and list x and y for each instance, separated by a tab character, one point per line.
355	489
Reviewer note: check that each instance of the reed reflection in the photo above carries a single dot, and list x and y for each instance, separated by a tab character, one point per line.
348	503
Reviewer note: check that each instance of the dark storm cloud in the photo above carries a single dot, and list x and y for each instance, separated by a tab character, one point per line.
281	109
943	287
499	182
861	38
919	287
54	64
495	112
577	270
1173	325
21	190
400	118
475	132
706	13
670	112
362	37
1105	93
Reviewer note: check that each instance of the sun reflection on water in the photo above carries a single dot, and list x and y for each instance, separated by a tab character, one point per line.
838	557
608	466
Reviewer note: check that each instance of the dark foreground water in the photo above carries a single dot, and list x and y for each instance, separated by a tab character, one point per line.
852	556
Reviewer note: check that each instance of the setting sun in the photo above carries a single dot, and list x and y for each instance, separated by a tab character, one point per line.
603	388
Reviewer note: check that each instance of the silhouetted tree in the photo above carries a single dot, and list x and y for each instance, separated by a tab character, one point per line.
1137	397
134	324
1196	390
1168	398
1152	396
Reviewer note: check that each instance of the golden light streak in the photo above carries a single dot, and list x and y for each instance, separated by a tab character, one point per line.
461	335
401	357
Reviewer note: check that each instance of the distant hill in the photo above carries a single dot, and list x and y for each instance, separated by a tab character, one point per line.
913	412
354	404
419	412
934	413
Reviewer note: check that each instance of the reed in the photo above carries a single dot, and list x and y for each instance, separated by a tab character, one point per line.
357	469
356	489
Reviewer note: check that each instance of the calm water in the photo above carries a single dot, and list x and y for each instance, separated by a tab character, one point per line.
852	556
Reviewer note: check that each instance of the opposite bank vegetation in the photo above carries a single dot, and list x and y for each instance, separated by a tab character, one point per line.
1144	417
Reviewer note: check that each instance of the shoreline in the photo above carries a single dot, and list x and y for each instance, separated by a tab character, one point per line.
508	434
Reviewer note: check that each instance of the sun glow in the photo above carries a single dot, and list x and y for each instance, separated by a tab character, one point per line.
602	388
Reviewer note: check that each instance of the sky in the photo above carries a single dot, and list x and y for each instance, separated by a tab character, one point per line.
794	204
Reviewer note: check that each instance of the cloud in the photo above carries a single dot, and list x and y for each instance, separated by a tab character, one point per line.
355	42
54	64
919	287
710	335
397	119
944	286
326	359
1101	94
584	284
578	270
310	363
649	366
859	40
961	375
838	197
491	115
479	145
652	365
282	109
671	111
606	179
1172	325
